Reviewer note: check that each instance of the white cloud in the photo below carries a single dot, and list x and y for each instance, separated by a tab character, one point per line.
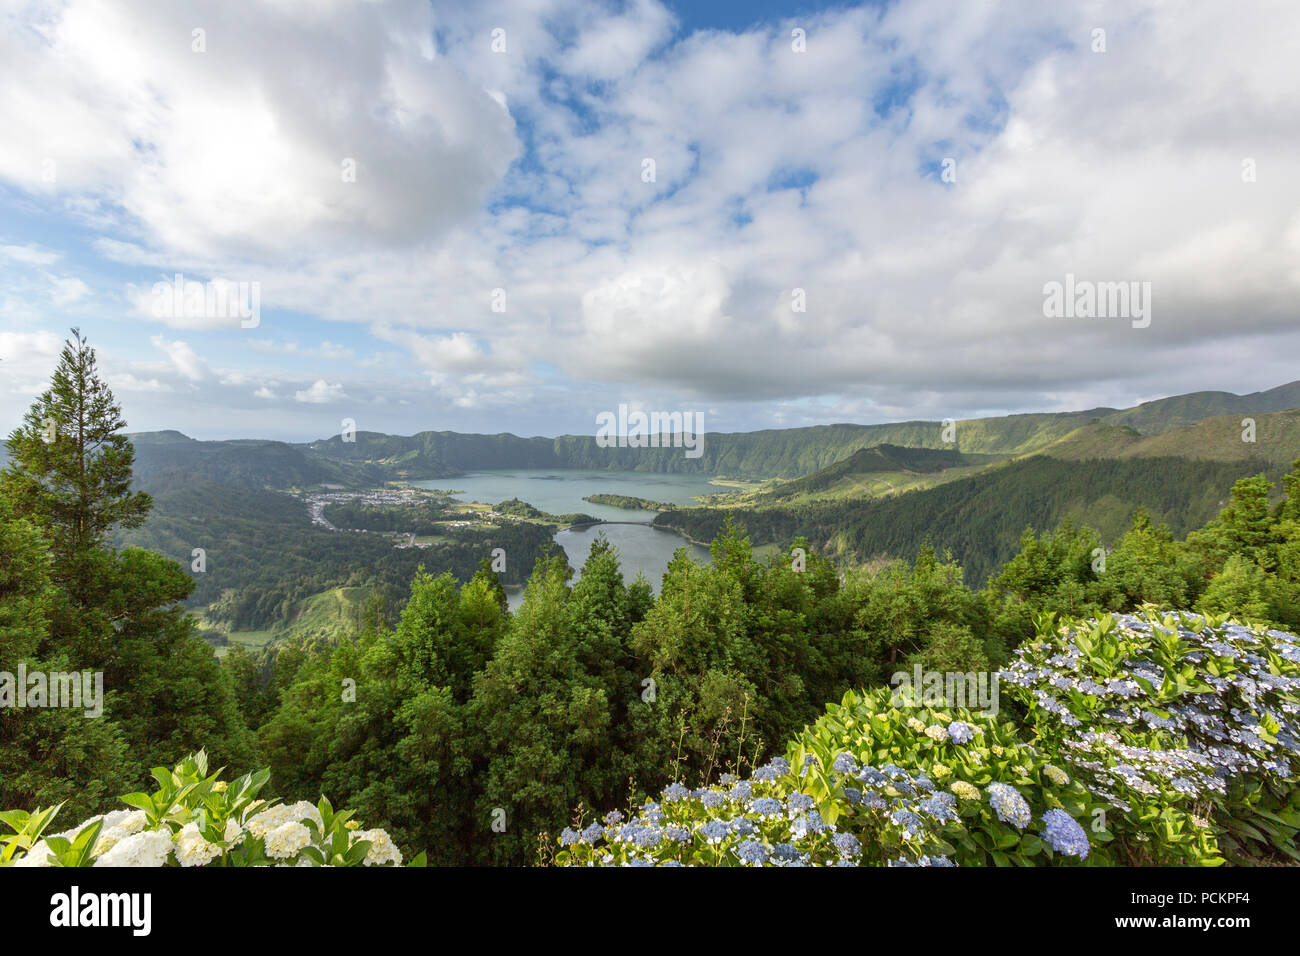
26	360
127	382
30	254
131	116
775	171
320	393
183	358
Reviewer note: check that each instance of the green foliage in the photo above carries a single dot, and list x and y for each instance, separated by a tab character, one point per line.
883	727
1173	718
71	602
266	560
980	518
194	818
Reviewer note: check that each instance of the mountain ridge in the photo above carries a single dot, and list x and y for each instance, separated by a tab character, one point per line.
375	457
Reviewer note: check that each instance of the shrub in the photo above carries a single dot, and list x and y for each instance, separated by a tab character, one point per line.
1186	725
1148	739
970	754
195	819
772	820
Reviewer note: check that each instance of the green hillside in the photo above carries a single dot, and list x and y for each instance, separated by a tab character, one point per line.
1179	410
980	518
1277	440
790	453
882	469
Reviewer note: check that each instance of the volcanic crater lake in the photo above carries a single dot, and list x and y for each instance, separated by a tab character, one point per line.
641	548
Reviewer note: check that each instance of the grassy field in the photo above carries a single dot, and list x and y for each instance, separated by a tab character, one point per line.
326	615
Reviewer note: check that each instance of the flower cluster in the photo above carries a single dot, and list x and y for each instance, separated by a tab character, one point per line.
1166	714
194	819
992	783
771	820
1227	693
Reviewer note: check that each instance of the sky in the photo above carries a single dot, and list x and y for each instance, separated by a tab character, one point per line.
513	216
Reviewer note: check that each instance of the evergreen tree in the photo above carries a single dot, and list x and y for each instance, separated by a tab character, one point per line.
113	611
71	468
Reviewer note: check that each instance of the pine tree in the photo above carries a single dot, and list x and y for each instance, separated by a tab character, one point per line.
71	468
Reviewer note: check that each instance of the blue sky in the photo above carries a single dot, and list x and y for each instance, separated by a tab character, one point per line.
514	216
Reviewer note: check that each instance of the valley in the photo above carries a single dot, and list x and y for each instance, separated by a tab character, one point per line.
872	499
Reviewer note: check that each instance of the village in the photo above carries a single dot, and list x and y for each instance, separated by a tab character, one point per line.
474	515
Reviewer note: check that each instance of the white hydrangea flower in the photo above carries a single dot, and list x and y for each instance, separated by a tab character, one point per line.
286	840
34	856
234	832
128	821
192	849
71	833
117	825
148	848
382	849
268	820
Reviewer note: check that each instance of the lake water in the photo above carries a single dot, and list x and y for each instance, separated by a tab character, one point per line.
641	548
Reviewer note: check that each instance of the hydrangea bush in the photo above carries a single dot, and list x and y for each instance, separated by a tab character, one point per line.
976	796
1013	802
772	820
1186	725
1145	739
196	819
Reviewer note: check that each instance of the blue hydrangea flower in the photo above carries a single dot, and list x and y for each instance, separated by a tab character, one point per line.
742	827
677	834
1009	805
801	801
1063	833
908	821
568	836
674	792
939	809
784	853
961	732
872	777
811	822
845	763
767	807
847	844
922	861
752	852
715	831
873	800
774	769
648	837
613	817
592	833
